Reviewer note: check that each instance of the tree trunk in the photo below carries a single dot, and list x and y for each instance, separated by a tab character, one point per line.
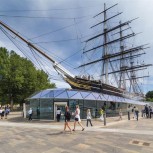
11	99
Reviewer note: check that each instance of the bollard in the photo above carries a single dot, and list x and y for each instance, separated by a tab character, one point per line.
104	119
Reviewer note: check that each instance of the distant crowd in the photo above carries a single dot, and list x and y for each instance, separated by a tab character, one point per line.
132	111
4	111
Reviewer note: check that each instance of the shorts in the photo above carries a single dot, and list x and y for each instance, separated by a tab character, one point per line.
76	119
67	120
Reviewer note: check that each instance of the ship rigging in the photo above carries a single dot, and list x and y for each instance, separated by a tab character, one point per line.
109	53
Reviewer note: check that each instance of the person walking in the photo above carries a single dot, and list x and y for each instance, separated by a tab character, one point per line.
137	113
150	112
58	114
89	117
129	110
134	113
77	118
67	118
120	114
101	113
6	111
30	114
2	112
147	111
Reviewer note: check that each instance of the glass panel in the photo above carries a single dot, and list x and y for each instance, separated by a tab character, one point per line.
96	95
62	95
100	98
85	94
34	104
58	92
100	104
72	107
72	104
41	94
77	96
104	97
27	107
90	97
46	109
71	93
44	93
51	94
81	109
89	105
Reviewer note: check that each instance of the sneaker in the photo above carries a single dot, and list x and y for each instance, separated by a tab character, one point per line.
83	129
73	130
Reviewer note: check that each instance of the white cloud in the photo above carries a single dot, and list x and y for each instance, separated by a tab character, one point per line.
35	27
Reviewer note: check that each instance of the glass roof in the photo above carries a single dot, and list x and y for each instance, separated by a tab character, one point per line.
62	93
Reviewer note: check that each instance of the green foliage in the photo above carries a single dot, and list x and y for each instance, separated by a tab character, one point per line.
149	96
19	78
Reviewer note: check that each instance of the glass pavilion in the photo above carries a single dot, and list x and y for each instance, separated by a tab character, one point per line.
45	103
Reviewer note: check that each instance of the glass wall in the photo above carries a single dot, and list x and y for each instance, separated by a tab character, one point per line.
88	104
46	109
34	104
72	107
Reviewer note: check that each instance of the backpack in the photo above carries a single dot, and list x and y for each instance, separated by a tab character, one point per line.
68	115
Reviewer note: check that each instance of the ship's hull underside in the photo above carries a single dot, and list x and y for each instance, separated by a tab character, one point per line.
95	86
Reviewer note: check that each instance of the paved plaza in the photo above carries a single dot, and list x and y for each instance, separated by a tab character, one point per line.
17	135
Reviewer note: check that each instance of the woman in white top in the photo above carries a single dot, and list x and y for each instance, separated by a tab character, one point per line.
89	117
77	118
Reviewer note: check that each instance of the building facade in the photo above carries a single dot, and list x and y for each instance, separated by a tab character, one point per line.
45	103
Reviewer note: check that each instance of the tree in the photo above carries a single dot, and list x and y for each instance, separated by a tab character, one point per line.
149	96
19	78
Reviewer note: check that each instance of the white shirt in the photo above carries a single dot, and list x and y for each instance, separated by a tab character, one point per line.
58	112
30	111
88	115
77	113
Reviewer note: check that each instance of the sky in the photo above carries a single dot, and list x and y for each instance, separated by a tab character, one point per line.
60	27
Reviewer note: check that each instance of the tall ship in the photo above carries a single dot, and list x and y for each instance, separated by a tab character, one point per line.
109	60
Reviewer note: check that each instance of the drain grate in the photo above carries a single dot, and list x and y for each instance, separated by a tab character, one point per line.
146	144
140	143
135	142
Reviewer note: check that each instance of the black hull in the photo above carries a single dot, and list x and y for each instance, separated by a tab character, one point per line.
92	85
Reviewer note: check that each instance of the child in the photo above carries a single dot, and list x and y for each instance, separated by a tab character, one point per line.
89	117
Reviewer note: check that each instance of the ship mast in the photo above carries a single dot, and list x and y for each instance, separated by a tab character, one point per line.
124	56
105	51
59	68
122	81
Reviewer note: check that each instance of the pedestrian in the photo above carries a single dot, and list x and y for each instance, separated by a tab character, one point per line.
38	112
143	112
150	111
129	110
101	113
67	118
89	117
1	112
134	112
6	111
77	118
137	113
120	114
96	112
30	114
147	111
58	114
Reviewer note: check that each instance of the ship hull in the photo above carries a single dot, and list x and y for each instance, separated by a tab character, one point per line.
93	85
